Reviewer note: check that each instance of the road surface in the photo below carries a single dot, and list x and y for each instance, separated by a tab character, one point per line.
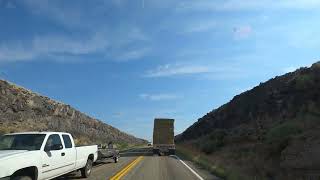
143	165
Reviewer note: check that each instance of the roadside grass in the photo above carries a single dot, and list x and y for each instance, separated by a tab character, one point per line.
125	147
201	161
204	162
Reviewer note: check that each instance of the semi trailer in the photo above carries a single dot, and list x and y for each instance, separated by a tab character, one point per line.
163	136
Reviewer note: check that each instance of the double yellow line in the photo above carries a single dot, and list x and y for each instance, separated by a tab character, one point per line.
126	169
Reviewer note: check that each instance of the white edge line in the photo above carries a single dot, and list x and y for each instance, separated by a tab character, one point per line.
195	173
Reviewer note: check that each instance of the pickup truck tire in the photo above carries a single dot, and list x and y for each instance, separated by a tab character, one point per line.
22	178
86	171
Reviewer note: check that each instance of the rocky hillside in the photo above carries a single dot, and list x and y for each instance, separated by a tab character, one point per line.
23	110
275	126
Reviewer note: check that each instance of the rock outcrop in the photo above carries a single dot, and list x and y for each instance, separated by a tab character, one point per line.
23	110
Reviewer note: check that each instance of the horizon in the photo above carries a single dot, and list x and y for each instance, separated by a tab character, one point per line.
128	62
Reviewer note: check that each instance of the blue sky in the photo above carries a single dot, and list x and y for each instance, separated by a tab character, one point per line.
126	62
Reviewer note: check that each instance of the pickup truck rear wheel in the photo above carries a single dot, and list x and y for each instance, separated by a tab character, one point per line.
86	171
22	178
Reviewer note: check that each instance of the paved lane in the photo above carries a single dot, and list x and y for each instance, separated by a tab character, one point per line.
162	168
102	170
150	167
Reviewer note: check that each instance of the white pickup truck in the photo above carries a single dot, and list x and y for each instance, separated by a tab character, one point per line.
43	155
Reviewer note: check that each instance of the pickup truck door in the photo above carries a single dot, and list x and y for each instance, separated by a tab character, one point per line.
52	159
69	153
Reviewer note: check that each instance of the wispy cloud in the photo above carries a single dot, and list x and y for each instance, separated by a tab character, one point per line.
51	45
63	44
133	54
212	72
159	97
60	46
67	13
240	5
176	69
15	52
118	42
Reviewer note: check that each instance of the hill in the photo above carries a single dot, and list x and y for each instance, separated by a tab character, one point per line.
271	131
23	110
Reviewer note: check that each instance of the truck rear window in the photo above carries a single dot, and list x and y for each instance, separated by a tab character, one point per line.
67	141
21	142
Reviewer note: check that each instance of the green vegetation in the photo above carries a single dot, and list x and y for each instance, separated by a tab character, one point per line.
279	136
282	132
122	146
212	142
126	146
204	161
271	130
201	161
303	81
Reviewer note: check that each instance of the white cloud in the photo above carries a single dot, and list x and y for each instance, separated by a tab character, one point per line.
159	97
247	5
15	53
61	47
175	69
63	44
210	72
68	14
51	45
118	42
133	54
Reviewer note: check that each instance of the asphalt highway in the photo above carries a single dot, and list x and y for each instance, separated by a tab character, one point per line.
141	164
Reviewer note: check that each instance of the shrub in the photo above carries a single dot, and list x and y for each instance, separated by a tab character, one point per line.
212	142
303	81
209	147
279	136
282	131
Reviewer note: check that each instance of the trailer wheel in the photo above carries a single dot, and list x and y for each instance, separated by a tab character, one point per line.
172	151
86	171
156	151
22	178
116	159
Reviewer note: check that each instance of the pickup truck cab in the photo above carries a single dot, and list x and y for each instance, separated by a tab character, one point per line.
43	155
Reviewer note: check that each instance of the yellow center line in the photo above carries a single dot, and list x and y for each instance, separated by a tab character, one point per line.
126	169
